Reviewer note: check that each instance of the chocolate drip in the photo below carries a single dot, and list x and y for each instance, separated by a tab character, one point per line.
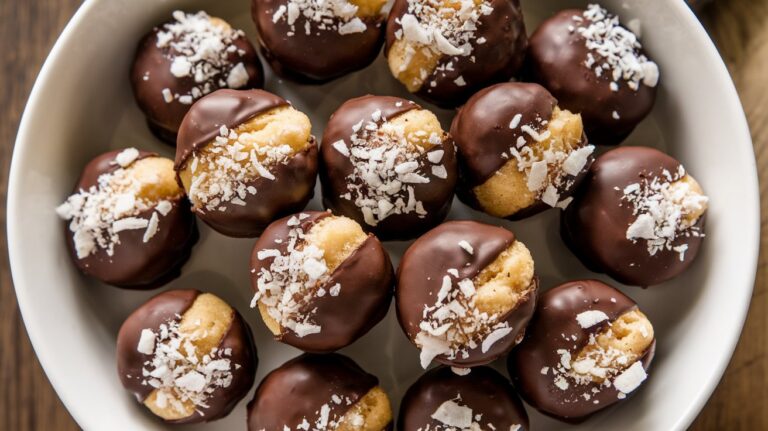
366	279
427	261
554	327
436	195
594	226
298	389
483	390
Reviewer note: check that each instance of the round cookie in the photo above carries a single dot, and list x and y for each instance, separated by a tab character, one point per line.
184	59
446	50
638	217
596	67
387	164
340	280
465	293
320	392
442	399
519	152
187	356
245	158
129	223
588	348
313	41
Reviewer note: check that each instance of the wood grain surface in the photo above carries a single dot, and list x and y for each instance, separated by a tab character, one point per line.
28	29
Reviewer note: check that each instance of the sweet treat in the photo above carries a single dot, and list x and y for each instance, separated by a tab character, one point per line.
245	158
519	152
441	399
465	293
638	217
187	356
184	59
595	67
318	393
315	41
129	223
320	281
387	164
588	348
446	50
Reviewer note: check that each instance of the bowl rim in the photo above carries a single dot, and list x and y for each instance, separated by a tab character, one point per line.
46	357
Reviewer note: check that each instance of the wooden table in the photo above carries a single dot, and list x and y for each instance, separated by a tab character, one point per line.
28	29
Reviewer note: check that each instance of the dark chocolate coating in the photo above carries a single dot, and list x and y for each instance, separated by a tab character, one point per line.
497	60
136	264
294	181
164	118
556	59
421	271
437	195
551	329
171	305
366	278
594	226
483	390
299	388
319	57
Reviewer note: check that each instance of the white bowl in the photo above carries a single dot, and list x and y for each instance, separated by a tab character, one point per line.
82	105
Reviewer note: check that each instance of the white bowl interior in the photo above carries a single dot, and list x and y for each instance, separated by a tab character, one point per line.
82	105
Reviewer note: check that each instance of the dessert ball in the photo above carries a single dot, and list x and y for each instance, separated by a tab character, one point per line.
387	164
638	217
129	223
465	293
320	281
481	400
314	41
596	67
588	348
446	50
320	392
245	158
519	152
184	59
187	356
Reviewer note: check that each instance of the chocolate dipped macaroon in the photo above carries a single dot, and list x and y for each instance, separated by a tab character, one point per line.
465	293
446	50
638	217
182	60
245	158
320	282
588	347
483	399
129	223
519	152
387	164
187	356
596	67
313	41
318	393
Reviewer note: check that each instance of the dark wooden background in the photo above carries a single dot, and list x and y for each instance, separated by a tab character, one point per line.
28	29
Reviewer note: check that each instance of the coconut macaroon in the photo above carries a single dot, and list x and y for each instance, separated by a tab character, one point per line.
129	223
320	282
446	50
639	217
313	41
519	152
600	355
387	164
319	393
182	60
465	293
187	356
245	158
